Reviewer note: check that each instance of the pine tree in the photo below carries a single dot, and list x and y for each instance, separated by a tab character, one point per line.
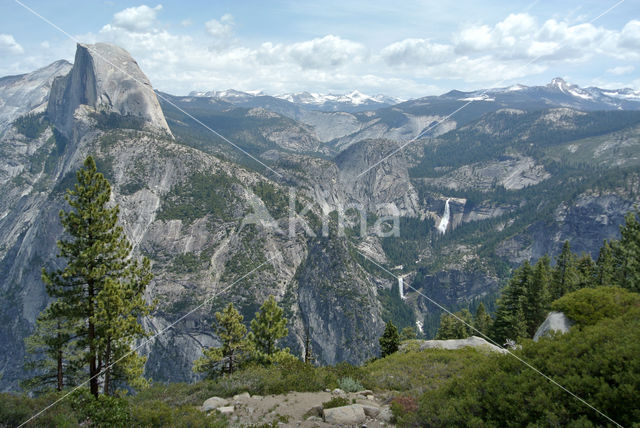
235	346
452	328
100	288
587	272
536	295
510	323
626	254
605	269
408	333
390	340
565	273
482	321
52	355
267	327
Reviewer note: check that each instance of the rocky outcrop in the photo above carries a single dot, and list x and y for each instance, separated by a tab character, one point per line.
555	321
28	93
345	415
453	344
104	79
586	223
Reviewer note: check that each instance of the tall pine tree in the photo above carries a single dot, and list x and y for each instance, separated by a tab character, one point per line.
605	269
267	327
52	355
390	340
565	276
626	253
235	345
100	289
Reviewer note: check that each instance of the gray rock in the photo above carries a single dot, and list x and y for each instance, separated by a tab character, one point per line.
226	410
452	344
213	403
555	321
243	396
353	414
370	411
104	78
338	391
385	414
28	93
315	410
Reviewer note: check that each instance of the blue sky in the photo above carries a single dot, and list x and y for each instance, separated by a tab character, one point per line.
406	49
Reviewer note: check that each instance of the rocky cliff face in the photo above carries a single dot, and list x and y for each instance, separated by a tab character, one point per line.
28	93
104	79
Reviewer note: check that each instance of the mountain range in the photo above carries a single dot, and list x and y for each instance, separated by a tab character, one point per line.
235	196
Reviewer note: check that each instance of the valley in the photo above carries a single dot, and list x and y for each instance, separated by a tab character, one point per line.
510	178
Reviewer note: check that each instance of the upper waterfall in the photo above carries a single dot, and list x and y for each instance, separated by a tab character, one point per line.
444	222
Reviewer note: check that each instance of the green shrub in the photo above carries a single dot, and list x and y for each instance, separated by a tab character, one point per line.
597	362
105	411
590	305
16	409
157	414
349	385
335	402
417	371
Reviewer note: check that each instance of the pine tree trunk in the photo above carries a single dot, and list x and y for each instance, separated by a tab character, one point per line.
107	373
60	381
93	369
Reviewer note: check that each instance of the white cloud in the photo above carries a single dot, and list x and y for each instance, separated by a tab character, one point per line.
620	70
326	52
8	45
416	52
630	35
479	55
137	19
222	28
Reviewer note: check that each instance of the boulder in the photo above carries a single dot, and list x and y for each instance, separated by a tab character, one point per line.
452	344
345	415
385	414
338	391
315	411
213	403
370	411
555	321
243	396
226	410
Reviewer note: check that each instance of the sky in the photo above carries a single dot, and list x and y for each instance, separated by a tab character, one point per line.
407	49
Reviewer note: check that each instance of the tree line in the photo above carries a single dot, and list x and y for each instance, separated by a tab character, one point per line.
527	298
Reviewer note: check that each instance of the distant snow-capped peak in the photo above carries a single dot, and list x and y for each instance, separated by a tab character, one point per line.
355	97
574	90
226	94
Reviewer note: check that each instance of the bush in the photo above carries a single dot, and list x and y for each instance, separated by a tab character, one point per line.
16	409
335	402
590	305
158	414
349	385
404	410
596	362
107	411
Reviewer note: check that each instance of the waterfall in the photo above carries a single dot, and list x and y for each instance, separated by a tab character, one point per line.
419	326
401	287
444	222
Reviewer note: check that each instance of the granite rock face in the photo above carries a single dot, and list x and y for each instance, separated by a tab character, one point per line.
28	93
555	321
104	79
